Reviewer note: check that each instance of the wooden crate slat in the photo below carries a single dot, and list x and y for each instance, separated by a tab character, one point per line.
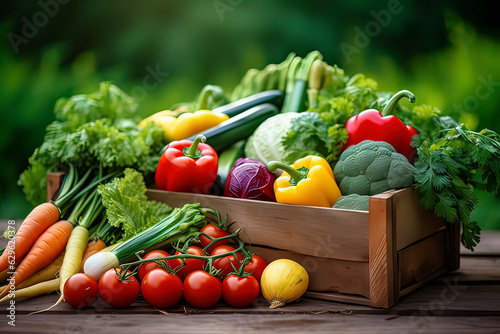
413	222
421	260
54	181
381	263
338	297
307	230
326	275
452	247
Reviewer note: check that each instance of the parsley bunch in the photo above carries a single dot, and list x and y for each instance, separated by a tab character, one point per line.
448	169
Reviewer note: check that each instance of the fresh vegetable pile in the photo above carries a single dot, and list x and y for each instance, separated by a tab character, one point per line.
301	132
327	114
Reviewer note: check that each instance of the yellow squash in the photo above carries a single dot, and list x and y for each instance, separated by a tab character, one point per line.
283	281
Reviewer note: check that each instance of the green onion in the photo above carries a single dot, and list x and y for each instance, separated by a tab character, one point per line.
179	225
159	235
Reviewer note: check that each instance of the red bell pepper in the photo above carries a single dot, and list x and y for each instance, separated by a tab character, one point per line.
187	166
373	125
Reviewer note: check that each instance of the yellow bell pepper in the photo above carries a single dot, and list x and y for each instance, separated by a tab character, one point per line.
186	124
156	116
309	181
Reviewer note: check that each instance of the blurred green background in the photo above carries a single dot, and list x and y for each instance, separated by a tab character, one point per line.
445	53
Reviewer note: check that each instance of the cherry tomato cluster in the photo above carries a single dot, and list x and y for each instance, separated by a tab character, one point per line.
163	283
199	287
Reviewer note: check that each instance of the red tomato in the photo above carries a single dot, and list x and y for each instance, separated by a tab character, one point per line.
191	264
202	289
224	263
148	266
214	232
240	291
161	289
118	293
81	291
256	266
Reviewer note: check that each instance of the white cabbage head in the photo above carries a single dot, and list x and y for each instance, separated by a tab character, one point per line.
265	143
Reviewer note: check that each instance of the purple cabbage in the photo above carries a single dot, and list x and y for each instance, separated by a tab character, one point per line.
250	179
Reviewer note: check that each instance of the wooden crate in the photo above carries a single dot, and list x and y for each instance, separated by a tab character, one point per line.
371	258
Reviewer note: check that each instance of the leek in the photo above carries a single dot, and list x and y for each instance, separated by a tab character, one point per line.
178	226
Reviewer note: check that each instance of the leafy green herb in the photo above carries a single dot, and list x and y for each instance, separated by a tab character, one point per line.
309	134
93	130
450	167
108	101
34	182
127	205
116	144
427	120
322	130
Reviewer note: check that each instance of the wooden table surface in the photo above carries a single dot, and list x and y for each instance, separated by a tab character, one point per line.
467	301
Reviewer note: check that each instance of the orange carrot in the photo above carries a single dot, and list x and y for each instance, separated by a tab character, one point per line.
37	222
92	247
45	250
47	273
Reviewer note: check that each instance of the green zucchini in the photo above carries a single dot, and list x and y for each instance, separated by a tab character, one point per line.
228	158
296	100
237	107
238	127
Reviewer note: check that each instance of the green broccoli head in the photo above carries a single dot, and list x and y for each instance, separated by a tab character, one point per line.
372	167
353	202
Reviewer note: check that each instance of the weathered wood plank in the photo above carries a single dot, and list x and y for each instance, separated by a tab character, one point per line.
254	323
304	305
477	270
488	246
452	298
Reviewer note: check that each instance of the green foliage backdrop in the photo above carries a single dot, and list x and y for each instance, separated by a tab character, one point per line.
445	53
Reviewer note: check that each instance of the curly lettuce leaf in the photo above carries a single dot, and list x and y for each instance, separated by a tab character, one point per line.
34	183
108	101
118	144
314	134
127	205
98	129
